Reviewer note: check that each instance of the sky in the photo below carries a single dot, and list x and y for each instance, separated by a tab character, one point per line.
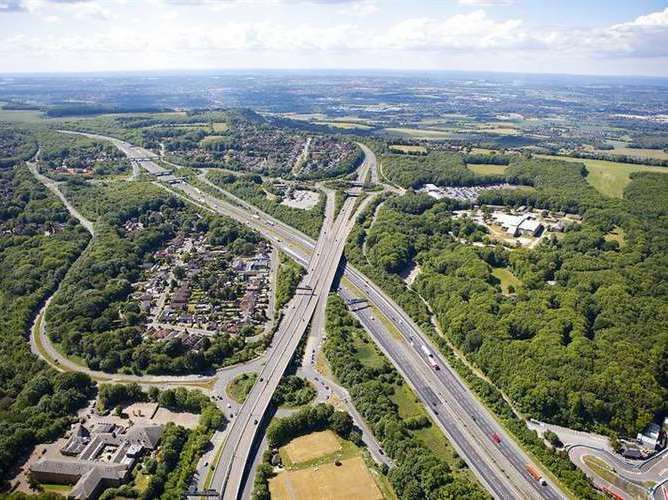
605	37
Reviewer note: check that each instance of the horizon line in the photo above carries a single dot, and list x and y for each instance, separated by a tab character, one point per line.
319	69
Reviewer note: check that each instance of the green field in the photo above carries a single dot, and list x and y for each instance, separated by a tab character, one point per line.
609	177
506	278
621	149
345	125
485	169
21	116
367	353
432	437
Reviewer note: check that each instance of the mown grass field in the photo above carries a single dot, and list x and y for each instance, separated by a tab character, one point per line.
609	177
351	480
484	169
311	446
657	154
311	471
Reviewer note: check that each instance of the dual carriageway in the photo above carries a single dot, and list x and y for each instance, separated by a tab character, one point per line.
497	461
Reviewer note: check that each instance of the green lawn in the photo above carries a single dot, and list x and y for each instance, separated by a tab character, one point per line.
506	278
609	177
485	169
60	489
240	386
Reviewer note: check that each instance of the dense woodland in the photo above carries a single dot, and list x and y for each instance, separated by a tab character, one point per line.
92	319
588	351
16	144
39	242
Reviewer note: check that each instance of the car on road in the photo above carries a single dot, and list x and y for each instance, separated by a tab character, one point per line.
496	438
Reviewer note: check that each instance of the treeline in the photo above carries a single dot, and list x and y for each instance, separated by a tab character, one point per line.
85	109
289	275
92	316
437	167
627	158
281	430
178	399
649	142
418	473
180	450
487	158
39	243
250	188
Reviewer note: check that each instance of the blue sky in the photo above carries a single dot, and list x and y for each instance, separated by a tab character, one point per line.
621	37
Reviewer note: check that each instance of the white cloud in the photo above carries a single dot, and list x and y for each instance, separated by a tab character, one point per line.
362	8
474	35
474	30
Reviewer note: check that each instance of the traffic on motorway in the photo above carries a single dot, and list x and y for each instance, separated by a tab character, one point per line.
498	462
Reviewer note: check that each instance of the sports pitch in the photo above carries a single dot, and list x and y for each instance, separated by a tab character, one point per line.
349	481
311	446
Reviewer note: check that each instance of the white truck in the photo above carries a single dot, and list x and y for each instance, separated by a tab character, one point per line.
430	357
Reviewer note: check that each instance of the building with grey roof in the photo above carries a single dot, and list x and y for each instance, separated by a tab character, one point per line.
104	461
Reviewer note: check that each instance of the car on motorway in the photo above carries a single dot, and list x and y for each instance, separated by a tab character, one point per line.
496	438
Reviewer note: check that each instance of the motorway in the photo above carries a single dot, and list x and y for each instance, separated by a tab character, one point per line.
501	468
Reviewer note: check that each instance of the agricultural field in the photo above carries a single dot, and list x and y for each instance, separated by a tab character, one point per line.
416	133
609	177
621	149
345	125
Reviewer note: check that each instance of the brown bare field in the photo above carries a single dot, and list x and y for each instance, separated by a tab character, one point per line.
310	446
349	481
